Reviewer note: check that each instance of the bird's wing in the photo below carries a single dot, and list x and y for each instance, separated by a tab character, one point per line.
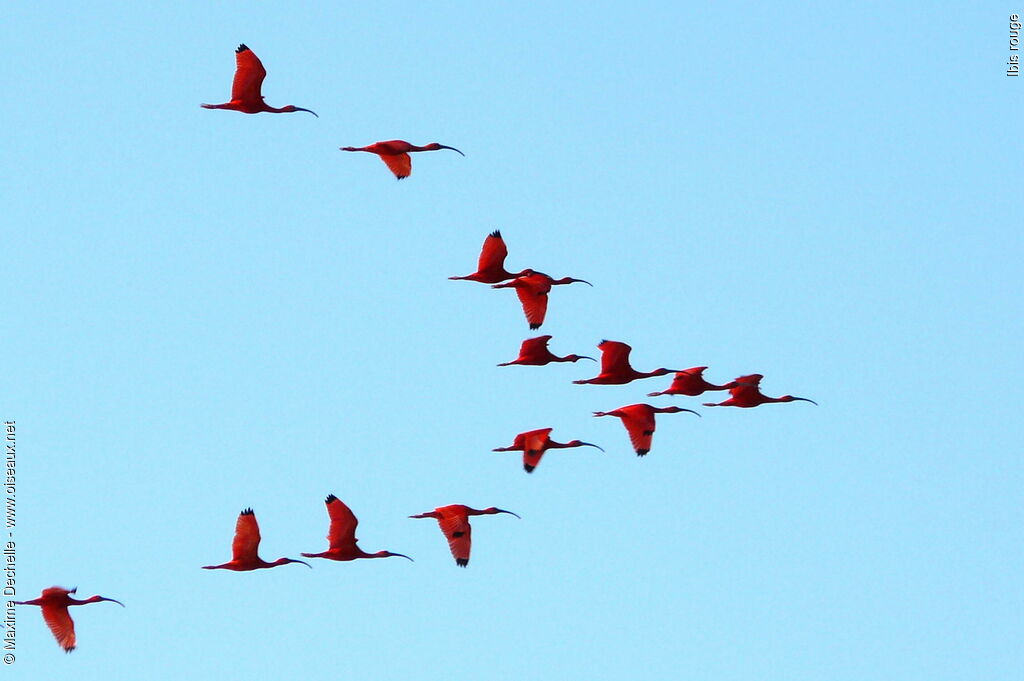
343	523
400	164
249	75
535	304
535	348
640	428
458	532
247	537
614	355
536	440
493	253
60	623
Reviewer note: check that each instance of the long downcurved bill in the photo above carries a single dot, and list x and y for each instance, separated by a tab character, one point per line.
510	513
299	108
441	146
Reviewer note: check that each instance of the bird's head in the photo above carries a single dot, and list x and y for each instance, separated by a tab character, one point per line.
492	510
675	410
284	561
790	398
97	599
576	358
389	554
570	280
581	443
434	146
291	108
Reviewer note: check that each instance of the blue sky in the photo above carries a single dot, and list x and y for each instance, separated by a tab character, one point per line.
206	311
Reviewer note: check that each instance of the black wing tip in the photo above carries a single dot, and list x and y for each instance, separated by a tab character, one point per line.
534	327
242	47
642	452
247	511
496	233
528	468
462	562
330	498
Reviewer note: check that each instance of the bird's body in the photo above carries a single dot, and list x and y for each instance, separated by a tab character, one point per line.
246	88
55	602
532	289
639	422
490	268
745	392
690	382
534	352
454	523
534	443
342	535
615	367
245	547
395	154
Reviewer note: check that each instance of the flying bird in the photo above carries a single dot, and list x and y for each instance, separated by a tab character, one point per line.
490	268
245	90
245	546
745	392
534	352
395	154
342	535
55	602
454	522
534	443
615	367
639	422
532	289
690	382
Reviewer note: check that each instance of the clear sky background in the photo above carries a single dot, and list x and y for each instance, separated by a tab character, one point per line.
205	310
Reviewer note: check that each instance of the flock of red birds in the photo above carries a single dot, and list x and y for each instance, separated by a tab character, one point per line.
532	288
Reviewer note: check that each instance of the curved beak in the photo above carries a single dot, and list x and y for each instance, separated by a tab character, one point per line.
592	445
113	600
299	108
582	281
452	148
401	555
692	412
510	513
585	357
804	399
301	561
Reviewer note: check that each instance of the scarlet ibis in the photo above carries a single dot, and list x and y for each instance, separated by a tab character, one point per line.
532	289
490	268
395	154
639	422
615	368
689	382
454	522
534	443
55	602
342	535
245	546
245	90
745	392
534	352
